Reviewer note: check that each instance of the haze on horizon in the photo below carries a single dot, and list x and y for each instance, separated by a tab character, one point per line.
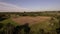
29	5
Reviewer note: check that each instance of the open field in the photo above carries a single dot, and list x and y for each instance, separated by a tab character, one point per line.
29	16
38	21
31	20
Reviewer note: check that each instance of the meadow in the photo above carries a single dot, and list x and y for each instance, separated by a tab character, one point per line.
47	22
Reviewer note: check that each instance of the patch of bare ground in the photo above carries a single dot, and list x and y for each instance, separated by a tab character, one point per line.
31	20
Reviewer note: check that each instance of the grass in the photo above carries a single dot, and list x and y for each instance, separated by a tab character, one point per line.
45	25
9	21
36	27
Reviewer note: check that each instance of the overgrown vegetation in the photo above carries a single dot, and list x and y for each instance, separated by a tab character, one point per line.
7	26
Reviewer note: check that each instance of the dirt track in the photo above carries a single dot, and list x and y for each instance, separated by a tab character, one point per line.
31	20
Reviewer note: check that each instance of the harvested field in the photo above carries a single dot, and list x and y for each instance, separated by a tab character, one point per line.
31	20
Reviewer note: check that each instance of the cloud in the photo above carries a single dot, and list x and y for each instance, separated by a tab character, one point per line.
6	7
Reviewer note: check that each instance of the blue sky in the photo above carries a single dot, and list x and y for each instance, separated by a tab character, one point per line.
42	5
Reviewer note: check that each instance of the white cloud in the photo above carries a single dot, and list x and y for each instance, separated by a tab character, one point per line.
6	7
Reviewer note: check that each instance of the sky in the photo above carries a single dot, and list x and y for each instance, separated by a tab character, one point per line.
29	5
